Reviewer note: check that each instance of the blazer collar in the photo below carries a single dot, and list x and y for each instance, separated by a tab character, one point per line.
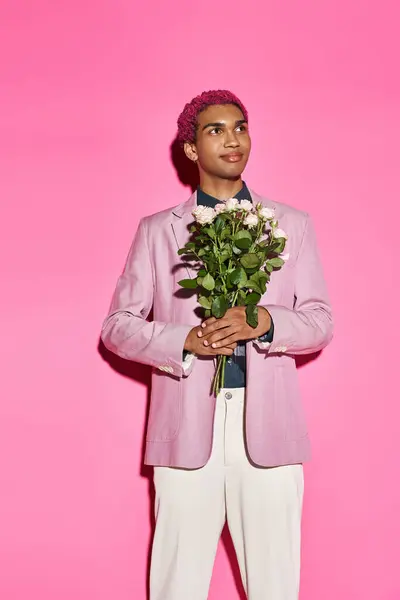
187	207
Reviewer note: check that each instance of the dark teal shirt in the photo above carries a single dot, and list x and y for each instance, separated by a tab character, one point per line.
235	372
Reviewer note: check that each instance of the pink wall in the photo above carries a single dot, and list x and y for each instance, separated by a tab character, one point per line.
89	96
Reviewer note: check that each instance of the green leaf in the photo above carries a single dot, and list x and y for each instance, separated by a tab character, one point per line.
274	244
224	233
280	245
238	277
207	313
211	263
253	285
253	298
224	256
208	282
269	267
261	256
236	250
241	298
202	273
205	302
210	231
218	224
257	282
252	315
186	250
262	275
219	307
243	239
189	284
250	261
276	262
193	228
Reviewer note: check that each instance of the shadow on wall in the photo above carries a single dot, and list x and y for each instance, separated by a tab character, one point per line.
185	169
188	175
141	374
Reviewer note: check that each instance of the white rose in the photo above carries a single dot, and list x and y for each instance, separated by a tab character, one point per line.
279	233
219	208
285	257
267	213
251	220
246	205
232	204
204	214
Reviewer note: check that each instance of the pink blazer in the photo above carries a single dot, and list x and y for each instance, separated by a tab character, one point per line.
180	426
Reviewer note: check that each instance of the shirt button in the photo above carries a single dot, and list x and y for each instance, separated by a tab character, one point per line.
228	395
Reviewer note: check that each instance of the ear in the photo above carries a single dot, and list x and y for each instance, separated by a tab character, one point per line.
190	151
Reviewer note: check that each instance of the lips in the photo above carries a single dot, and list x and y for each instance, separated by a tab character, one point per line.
232	157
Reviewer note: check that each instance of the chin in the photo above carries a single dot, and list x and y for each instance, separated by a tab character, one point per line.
232	173
234	170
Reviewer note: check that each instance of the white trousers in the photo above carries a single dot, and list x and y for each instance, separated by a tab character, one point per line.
262	506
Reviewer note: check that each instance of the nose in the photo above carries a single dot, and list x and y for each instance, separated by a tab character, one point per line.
231	140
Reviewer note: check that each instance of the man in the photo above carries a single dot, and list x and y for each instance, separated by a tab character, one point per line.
238	456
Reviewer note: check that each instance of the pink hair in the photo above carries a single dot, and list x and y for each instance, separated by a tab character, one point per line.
187	121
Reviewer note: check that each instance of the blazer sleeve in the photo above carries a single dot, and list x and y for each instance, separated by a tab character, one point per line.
308	327
126	331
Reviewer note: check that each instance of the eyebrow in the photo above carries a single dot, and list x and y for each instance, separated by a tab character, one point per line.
223	124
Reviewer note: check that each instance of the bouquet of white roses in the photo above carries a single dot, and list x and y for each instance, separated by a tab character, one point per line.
235	254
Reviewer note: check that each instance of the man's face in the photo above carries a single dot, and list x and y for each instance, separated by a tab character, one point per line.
222	145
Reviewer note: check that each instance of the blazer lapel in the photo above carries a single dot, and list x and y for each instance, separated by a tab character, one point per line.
264	201
182	218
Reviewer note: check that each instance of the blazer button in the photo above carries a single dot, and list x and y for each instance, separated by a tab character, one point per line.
228	395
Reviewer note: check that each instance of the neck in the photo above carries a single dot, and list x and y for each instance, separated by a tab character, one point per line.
222	189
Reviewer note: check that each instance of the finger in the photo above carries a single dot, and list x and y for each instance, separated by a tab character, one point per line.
208	351
224	351
232	339
204	325
209	321
214	326
220	336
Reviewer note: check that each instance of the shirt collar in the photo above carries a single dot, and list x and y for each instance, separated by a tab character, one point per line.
207	200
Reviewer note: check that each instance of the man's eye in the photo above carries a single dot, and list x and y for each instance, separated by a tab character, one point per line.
216	130
242	128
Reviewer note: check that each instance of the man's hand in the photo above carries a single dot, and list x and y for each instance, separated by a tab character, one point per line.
195	344
233	328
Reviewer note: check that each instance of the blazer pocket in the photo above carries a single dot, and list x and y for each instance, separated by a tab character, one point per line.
165	408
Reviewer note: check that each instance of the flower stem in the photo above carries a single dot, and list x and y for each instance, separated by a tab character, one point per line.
216	375
235	298
222	377
219	377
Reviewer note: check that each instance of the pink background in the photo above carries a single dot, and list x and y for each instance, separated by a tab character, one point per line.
90	92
